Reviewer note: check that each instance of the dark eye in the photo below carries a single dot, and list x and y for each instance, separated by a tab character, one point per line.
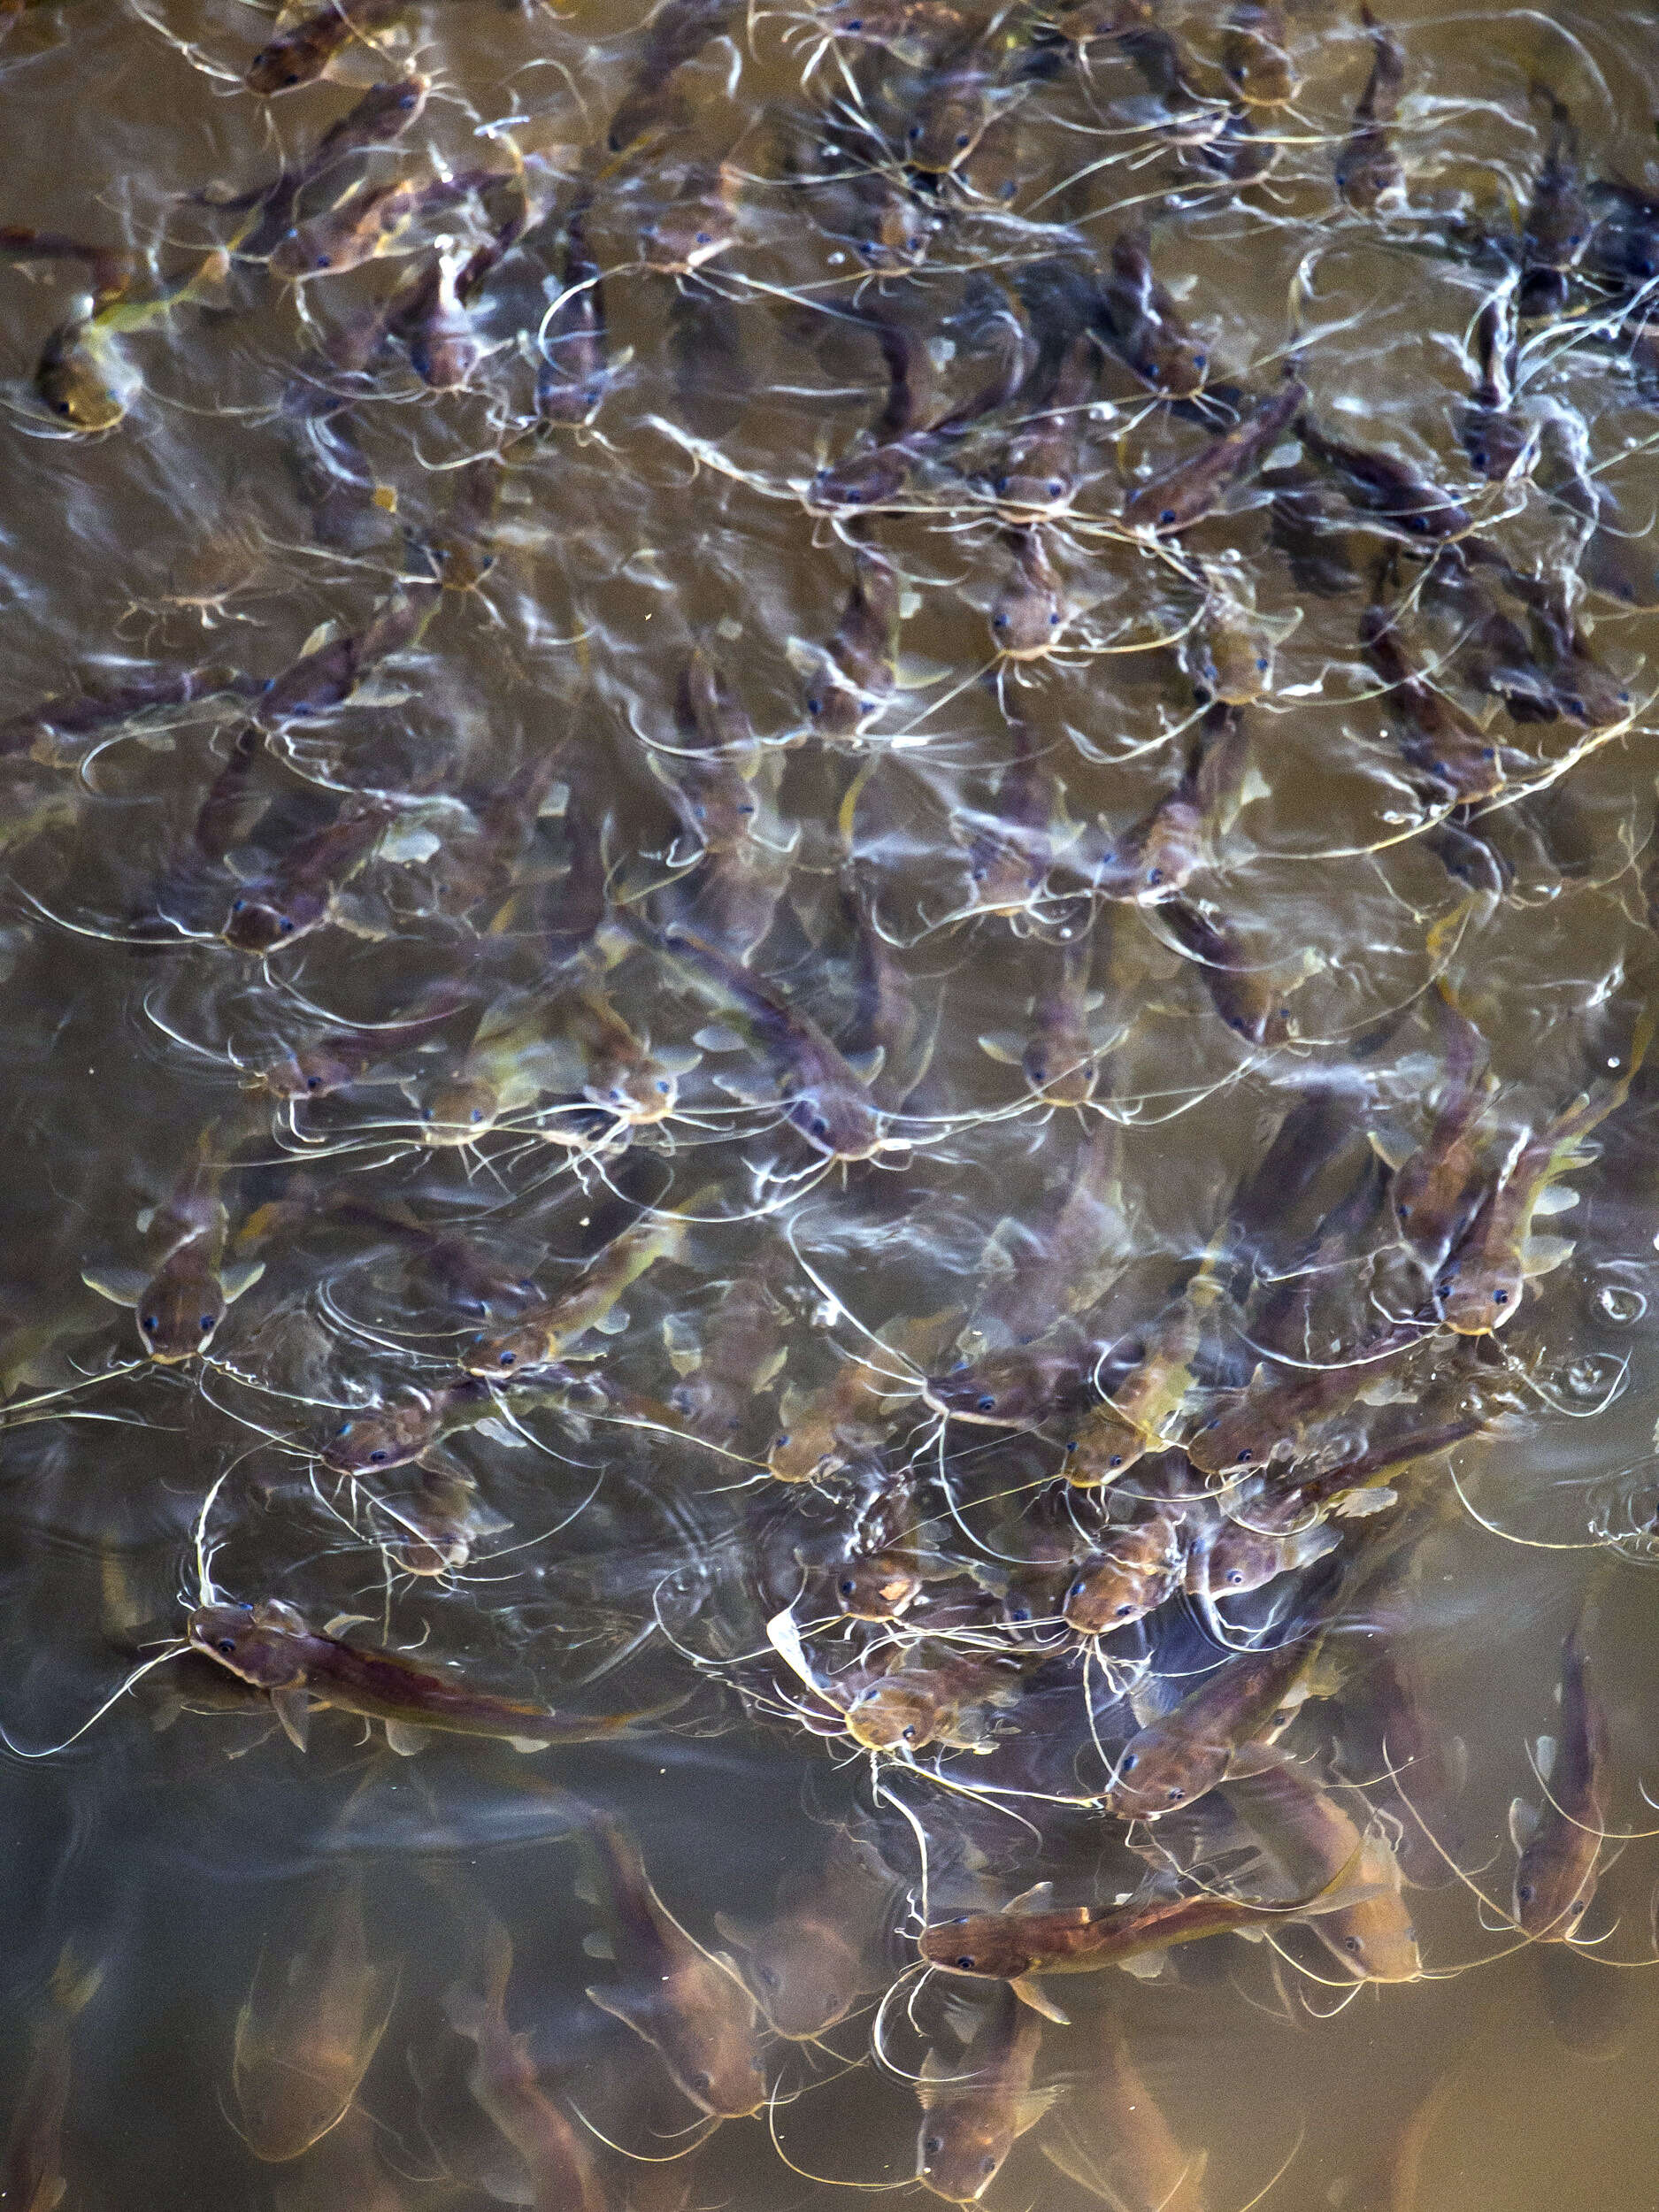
1078	1589
284	925
1353	1943
1168	515
987	2164
206	1320
1130	1761
781	1443
1055	486
820	1127
705	2082
478	1113
704	237
933	2145
1176	1796
1246	1454
815	706
909	1735
967	1964
915	133
1200	360
962	138
987	1405
377	1455
1524	1895
322	261
507	1358
237	905
314	1082
226	1645
998	622
1499	1297
664	1088
847	1587
1123	1612
151	1321
1117	1459
1261	664
1235	1576
1155	875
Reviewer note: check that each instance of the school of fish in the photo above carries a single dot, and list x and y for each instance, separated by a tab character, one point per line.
886	997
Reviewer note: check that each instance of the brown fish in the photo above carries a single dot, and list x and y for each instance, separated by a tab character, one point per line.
31	2167
1176	1760
689	2004
559	2174
270	1646
1184	495
309	2028
1559	1848
976	2102
1368	168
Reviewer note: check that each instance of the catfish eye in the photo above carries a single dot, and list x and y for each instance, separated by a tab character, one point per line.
149	1323
820	1127
988	1405
815	706
284	925
998	622
664	1087
1200	360
1130	1761
933	2145
768	1975
206	1321
1155	875
314	1082
705	2082
226	1645
965	1963
1245	1455
237	905
1525	1893
1123	1612
1176	1796
915	133
1499	1297
780	1441
507	1358
962	139
1077	1589
1353	1943
1117	1459
377	1455
478	1113
1168	515
1261	664
323	261
1235	1575
909	1735
847	1587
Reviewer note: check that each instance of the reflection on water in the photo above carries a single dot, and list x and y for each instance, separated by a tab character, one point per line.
828	955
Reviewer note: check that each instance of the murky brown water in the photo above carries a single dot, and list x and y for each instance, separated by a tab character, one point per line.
1156	899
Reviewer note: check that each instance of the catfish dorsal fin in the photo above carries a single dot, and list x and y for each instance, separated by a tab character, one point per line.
1036	1899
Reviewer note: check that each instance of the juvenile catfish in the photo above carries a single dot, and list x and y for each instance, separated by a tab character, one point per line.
311	2023
270	1646
689	2004
1556	1877
180	1304
976	2106
559	2168
1017	1944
